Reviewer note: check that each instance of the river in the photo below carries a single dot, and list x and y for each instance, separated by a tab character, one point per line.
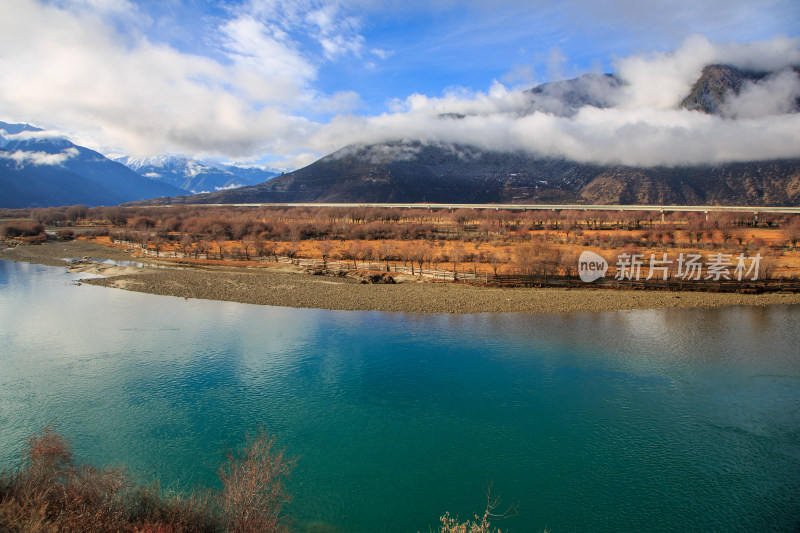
665	420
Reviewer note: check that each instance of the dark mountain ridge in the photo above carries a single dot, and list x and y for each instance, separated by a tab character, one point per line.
439	174
412	171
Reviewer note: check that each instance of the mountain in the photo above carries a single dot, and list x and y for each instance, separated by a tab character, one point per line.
416	172
566	97
709	91
718	82
194	177
411	171
41	170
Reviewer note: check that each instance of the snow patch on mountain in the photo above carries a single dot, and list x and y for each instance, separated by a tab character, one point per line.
193	176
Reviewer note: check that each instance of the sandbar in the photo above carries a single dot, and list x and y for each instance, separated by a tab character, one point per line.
286	286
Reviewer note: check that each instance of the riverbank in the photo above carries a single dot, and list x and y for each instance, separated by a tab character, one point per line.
279	285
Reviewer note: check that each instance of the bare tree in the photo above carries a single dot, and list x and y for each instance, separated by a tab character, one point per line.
568	261
265	249
456	256
325	247
421	253
695	228
351	252
496	261
201	248
525	257
186	244
792	231
364	251
158	244
290	250
386	252
254	486
76	212
219	242
248	245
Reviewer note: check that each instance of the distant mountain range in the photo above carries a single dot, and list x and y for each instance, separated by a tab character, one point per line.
411	171
195	177
40	170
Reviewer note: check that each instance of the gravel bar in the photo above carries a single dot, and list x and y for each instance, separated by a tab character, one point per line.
272	286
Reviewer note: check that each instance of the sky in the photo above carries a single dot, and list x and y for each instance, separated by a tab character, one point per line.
280	83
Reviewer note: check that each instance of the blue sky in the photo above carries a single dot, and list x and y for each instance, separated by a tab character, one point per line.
427	47
282	82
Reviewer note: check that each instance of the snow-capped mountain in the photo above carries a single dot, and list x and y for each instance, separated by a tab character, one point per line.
192	176
40	169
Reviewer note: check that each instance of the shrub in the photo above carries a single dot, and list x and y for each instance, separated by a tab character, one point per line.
50	493
68	234
142	223
478	524
254	490
21	228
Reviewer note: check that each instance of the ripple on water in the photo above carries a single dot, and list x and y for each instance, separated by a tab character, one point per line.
589	421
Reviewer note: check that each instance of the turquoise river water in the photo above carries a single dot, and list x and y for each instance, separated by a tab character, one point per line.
667	420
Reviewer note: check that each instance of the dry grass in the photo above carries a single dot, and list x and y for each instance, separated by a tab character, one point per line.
50	493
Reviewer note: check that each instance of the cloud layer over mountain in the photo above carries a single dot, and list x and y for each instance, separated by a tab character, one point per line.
643	124
98	70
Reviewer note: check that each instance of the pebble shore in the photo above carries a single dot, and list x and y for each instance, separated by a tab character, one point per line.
277	287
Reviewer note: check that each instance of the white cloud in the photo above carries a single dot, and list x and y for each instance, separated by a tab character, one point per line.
612	136
661	80
267	67
104	6
458	100
28	135
382	54
119	90
338	102
775	95
337	34
642	125
68	64
555	63
325	21
23	158
294	161
520	76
